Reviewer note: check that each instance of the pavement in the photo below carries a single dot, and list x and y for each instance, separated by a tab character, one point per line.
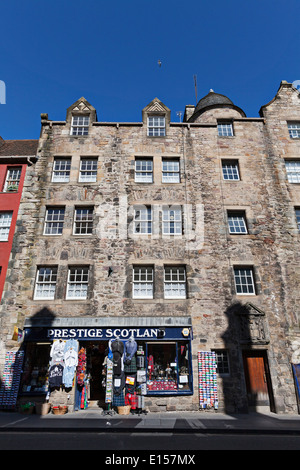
95	420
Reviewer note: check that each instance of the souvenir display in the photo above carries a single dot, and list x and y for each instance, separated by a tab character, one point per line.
208	394
11	379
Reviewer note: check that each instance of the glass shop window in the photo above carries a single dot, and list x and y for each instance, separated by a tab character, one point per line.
168	367
35	368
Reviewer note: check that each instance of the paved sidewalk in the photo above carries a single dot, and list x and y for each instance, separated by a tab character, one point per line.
93	420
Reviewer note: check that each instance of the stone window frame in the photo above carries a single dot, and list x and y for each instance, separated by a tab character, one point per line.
174	171
293	174
61	169
294	129
233	164
239	273
86	223
50	221
167	220
82	128
223	362
142	279
145	171
156	129
92	172
225	128
239	214
174	281
146	223
82	275
297	215
51	282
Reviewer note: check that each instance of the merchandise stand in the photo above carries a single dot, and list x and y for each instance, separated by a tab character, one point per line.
208	394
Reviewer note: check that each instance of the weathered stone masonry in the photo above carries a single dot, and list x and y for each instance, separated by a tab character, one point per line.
221	320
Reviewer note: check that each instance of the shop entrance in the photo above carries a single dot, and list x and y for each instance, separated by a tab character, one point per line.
95	355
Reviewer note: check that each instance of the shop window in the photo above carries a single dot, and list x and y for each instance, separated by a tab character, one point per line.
168	367
35	369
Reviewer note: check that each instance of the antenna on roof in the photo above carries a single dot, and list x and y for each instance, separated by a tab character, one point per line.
179	114
195	83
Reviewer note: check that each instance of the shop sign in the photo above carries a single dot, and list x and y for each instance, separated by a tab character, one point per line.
104	333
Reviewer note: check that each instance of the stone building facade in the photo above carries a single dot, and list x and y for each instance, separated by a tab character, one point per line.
185	235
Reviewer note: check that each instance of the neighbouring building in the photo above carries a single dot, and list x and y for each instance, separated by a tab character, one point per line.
179	238
15	157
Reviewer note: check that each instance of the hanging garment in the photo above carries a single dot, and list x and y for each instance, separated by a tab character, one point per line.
57	350
131	366
130	350
55	375
117	348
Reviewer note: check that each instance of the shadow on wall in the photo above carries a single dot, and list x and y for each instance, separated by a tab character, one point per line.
248	387
18	375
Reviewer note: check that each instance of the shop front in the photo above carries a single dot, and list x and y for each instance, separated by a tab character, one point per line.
112	366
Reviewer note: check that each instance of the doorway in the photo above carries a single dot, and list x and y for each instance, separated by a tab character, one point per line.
95	352
258	381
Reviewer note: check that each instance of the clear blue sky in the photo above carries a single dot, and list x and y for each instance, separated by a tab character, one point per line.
54	52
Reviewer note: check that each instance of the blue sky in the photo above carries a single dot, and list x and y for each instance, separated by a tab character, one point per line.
52	53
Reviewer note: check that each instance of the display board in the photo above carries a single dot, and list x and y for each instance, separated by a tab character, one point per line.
208	393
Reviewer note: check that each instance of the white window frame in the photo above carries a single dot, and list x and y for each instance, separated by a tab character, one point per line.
45	283
156	126
80	125
5	224
174	282
170	170
54	221
88	170
244	281
294	130
83	221
225	129
12	179
237	223
142	220
142	282
172	220
61	170
78	284
293	171
230	170
143	170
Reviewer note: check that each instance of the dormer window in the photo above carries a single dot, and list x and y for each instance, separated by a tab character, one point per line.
156	126
80	125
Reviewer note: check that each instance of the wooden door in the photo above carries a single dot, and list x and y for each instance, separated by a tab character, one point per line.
258	382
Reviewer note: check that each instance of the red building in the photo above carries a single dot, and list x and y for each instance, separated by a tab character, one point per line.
15	156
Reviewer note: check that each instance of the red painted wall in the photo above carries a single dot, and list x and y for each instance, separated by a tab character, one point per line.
9	202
